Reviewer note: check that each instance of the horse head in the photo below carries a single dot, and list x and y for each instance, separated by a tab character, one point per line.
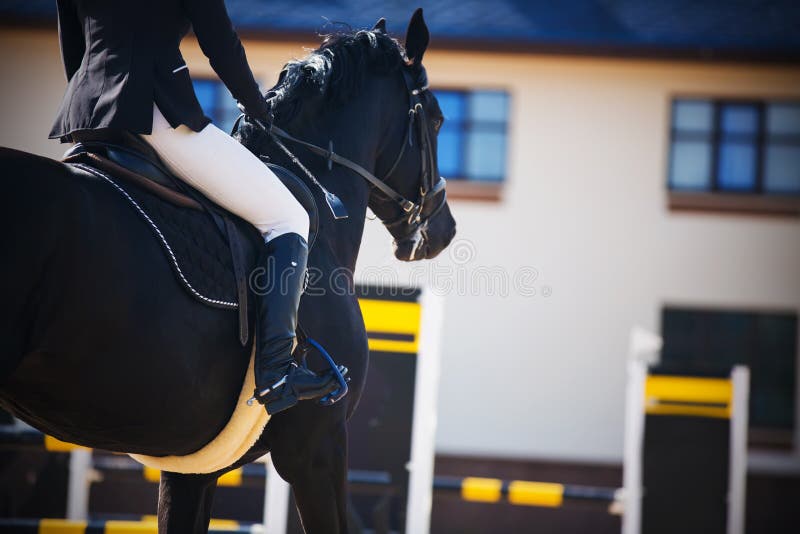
423	230
315	101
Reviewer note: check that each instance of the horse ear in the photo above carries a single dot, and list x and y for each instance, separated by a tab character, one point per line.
417	37
380	26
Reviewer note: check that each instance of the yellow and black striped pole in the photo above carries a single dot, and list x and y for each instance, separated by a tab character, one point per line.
147	526
688	396
522	492
475	489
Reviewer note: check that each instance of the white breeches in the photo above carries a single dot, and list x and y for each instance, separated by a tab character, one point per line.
218	166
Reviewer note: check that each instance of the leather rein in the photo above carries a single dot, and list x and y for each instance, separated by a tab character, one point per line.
412	211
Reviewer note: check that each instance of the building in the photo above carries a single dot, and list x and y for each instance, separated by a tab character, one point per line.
650	175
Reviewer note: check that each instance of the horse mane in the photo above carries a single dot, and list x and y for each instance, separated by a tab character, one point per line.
335	71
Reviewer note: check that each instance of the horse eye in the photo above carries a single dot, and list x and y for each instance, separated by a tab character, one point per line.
437	123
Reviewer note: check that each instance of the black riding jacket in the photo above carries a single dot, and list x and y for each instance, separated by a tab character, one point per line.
122	56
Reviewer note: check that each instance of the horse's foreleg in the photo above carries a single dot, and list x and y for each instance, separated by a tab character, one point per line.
184	503
316	468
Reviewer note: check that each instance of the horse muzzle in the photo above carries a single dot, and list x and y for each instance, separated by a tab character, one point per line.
427	239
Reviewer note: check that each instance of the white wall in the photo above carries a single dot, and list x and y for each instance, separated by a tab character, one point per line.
31	87
584	204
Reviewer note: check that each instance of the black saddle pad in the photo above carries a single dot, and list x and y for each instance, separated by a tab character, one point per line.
196	245
199	251
210	249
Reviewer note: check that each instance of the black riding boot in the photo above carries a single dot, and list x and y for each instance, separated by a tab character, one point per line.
280	382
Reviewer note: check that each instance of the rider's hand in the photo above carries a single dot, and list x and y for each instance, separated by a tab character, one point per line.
251	135
258	110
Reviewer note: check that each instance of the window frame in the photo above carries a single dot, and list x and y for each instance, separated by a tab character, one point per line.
460	186
716	198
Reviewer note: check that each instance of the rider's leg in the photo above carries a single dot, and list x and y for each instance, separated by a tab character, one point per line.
218	166
222	169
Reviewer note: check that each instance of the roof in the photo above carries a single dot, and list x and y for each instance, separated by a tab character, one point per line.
739	29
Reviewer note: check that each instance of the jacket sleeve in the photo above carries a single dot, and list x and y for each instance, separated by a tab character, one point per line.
222	47
70	34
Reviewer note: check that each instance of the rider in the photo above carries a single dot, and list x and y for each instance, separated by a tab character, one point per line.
126	74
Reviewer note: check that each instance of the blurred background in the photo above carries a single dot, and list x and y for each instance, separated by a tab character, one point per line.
610	163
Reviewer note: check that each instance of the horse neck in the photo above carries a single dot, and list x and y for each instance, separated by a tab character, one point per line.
348	127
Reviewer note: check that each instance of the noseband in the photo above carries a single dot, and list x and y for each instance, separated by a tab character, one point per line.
412	211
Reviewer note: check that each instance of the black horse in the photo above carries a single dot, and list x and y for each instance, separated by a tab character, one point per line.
101	346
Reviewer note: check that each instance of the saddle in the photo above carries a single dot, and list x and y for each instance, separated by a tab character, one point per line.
211	250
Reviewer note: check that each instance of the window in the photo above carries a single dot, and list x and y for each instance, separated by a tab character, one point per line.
473	141
697	340
735	147
217	103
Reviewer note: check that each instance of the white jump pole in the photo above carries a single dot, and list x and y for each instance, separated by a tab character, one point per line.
632	453
80	465
276	501
737	478
423	434
643	349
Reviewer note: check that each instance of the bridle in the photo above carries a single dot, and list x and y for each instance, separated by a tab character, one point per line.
413	213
